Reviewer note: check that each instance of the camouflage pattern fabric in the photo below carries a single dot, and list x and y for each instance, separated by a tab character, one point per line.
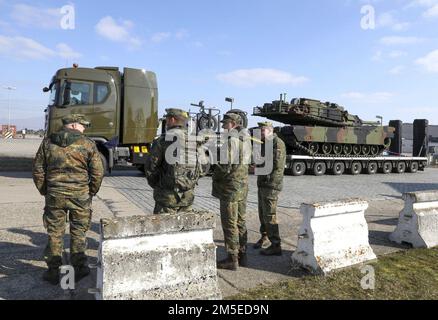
274	180
268	200
159	209
173	184
68	171
229	216
230	181
270	187
230	186
78	211
68	164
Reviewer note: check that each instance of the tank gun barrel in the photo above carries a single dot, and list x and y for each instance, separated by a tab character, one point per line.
372	123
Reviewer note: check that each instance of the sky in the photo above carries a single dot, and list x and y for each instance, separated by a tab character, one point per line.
374	57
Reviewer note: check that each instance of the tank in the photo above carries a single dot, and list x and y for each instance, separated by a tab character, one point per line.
324	128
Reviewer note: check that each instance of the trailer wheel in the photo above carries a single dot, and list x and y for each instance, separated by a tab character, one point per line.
414	167
298	168
319	169
356	168
372	168
401	167
338	168
387	167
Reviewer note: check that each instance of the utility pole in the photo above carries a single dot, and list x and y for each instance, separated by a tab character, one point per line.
9	88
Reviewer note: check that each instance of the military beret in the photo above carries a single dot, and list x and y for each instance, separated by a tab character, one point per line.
176	113
232	117
265	124
76	118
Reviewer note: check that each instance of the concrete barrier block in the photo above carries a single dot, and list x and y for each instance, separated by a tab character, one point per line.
158	257
418	221
333	235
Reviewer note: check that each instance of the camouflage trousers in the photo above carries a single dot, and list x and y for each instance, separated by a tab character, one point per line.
57	212
233	219
268	214
162	209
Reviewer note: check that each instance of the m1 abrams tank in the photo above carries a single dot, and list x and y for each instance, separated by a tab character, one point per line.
326	129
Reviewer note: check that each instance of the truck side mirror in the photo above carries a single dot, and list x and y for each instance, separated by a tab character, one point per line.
45	89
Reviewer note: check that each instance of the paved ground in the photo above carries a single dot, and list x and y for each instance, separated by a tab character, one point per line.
22	237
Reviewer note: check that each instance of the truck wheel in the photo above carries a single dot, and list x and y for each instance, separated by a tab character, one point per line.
372	168
298	168
414	167
338	168
319	169
356	168
104	163
401	167
387	167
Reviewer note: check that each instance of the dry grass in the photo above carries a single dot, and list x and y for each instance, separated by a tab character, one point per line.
407	275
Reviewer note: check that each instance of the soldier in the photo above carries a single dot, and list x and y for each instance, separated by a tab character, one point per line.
230	186
269	188
173	183
68	171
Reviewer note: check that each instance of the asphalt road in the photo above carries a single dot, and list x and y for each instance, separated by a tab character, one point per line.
297	190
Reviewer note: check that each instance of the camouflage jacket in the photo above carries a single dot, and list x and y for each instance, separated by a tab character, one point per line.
274	181
230	181
68	164
173	180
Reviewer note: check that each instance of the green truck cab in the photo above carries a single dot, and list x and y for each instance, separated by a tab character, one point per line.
122	108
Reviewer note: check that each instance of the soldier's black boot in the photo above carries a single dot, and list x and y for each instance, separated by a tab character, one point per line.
230	263
273	250
52	274
79	262
259	244
243	258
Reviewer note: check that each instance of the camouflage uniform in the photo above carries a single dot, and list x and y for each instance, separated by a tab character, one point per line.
173	184
230	186
269	188
68	171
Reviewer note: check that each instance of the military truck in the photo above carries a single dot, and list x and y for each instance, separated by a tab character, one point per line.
122	107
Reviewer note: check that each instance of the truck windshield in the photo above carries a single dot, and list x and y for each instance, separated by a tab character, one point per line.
54	88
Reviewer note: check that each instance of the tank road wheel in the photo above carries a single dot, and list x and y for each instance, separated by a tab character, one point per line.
327	149
314	147
338	168
387	167
348	149
356	168
366	149
319	169
337	149
400	167
357	150
298	168
372	168
414	167
375	150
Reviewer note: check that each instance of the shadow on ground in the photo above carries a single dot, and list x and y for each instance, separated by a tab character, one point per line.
22	267
381	238
412	187
276	264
